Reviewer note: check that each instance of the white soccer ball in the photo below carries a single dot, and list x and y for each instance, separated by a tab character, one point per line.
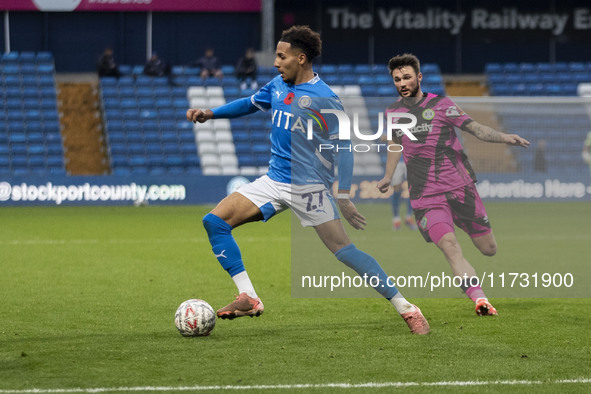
194	318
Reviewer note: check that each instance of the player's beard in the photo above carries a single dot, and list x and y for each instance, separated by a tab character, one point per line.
413	93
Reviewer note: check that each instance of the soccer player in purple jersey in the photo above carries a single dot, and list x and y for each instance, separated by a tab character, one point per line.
441	180
299	178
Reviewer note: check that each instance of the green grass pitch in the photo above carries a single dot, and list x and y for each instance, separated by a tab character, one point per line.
88	295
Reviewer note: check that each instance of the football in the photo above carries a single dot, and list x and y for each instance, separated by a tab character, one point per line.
194	318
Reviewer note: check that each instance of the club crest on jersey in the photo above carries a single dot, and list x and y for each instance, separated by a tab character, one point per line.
304	102
428	114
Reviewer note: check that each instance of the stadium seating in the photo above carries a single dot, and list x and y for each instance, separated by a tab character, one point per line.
537	79
30	132
145	124
541	121
563	127
137	108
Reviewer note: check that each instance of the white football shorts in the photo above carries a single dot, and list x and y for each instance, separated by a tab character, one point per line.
312	204
399	174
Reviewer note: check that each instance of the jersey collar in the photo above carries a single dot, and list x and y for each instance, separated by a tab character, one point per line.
314	80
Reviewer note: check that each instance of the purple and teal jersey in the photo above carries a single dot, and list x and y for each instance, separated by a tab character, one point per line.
296	159
436	162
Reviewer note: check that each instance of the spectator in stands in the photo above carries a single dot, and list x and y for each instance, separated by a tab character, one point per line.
210	65
540	157
587	150
106	65
156	67
246	69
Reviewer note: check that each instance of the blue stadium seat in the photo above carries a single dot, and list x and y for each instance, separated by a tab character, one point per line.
47	93
29	70
583	76
527	68
369	90
30	92
55	161
493	68
160	81
108	81
45	69
34	126
125	81
55	149
348	79
141	81
184	126
167	114
125	69
128	103
243	148
228	69
153	148
327	69
511	68
430	68
33	114
363	69
432	79
152	136
331	79
17	105
15	116
10	57
231	91
14	93
162	91
44	57
177	70
35	137
188	149
140	92
345	68
11	69
46	81
137	69
117	148
150	125
12	81
122	171
386	90
560	66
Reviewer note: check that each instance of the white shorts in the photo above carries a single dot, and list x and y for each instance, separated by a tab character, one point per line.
312	204
399	174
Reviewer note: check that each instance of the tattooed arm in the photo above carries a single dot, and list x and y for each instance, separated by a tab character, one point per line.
488	134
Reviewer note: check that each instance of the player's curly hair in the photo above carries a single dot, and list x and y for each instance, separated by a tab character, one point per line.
305	39
404	60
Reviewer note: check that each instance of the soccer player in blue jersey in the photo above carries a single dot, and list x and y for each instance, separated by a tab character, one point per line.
300	176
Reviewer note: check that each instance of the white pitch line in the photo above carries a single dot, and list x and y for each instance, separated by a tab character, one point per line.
28	242
307	386
21	242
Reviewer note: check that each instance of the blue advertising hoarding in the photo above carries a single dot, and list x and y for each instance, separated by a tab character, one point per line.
201	189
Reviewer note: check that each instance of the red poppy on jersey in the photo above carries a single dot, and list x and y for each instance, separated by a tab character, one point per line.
289	99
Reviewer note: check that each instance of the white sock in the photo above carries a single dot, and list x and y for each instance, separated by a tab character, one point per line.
401	304
244	284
